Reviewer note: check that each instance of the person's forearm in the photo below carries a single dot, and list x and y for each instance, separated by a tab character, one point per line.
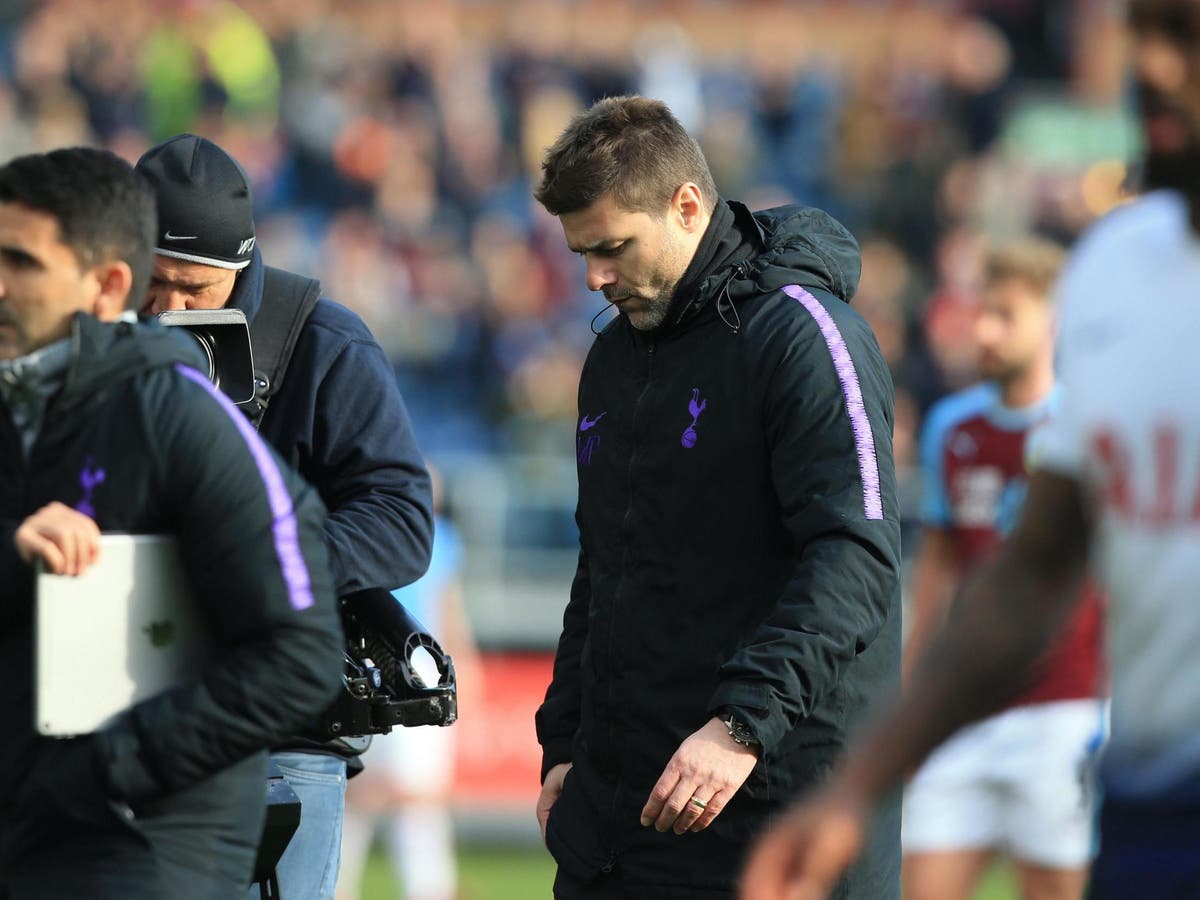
557	719
382	540
253	696
841	596
997	629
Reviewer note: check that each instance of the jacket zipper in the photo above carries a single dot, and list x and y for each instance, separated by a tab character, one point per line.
612	624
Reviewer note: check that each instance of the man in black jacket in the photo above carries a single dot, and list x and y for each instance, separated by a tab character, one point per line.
106	426
736	604
337	418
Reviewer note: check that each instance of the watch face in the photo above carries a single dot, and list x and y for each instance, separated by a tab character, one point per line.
740	731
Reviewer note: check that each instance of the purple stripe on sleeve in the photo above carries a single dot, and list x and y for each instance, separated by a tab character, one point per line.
286	532
860	424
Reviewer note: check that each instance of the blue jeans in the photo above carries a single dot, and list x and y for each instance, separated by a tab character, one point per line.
308	868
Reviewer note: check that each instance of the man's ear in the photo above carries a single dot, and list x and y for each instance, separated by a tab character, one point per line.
688	205
114	278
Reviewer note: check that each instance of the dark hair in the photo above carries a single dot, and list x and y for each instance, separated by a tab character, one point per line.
631	147
105	210
1177	19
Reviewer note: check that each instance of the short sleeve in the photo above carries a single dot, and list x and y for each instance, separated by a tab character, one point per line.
935	498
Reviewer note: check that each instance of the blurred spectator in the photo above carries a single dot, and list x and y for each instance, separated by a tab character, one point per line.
393	148
205	53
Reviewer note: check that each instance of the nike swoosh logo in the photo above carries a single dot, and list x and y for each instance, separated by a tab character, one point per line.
180	237
587	423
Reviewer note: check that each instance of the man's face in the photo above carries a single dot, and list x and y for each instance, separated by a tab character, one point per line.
635	258
177	285
1167	73
1014	329
42	284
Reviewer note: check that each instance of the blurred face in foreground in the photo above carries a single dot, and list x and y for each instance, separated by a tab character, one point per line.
637	258
1166	62
1013	330
43	283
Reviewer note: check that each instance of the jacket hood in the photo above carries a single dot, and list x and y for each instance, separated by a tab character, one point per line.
805	246
758	253
105	353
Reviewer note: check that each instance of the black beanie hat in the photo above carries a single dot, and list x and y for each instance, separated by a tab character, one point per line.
205	210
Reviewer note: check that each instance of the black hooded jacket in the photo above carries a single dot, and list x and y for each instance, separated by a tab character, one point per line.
164	454
740	547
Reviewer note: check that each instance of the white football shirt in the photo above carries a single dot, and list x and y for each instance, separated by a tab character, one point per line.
1128	429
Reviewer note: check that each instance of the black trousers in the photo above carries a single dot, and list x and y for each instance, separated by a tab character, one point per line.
65	840
607	886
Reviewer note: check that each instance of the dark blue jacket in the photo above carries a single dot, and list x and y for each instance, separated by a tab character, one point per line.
338	419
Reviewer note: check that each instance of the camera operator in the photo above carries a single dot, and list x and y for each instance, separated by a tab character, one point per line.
106	426
337	418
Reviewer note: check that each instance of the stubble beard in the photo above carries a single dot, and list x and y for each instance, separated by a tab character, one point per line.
999	370
656	307
1177	171
654	313
13	339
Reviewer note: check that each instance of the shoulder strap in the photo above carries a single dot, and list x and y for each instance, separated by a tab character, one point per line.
286	303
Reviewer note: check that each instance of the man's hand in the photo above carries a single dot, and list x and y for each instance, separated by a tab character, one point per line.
709	766
551	788
803	856
66	540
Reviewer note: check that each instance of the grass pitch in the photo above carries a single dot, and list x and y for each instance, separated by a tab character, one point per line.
488	873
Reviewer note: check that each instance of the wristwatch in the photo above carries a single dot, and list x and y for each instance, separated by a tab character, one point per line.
740	731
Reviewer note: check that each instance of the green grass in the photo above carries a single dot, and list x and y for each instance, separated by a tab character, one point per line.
999	884
487	873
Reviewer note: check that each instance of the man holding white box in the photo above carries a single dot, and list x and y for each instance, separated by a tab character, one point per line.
106	426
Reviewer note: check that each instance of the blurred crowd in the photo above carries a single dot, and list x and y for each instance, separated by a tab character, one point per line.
393	147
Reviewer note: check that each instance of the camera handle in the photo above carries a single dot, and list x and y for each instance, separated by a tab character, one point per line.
380	687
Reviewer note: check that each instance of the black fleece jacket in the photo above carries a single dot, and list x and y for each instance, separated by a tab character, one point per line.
740	547
176	459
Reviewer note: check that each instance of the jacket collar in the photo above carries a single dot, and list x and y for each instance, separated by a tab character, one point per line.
248	289
731	237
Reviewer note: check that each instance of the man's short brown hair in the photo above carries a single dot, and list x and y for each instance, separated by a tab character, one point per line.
1034	260
631	147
